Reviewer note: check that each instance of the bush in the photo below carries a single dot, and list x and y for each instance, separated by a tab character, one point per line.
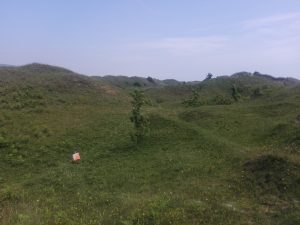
236	93
139	121
137	84
150	79
193	100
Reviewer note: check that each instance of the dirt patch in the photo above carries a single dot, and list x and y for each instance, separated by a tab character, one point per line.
273	175
107	89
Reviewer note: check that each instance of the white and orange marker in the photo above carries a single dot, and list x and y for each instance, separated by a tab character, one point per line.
76	156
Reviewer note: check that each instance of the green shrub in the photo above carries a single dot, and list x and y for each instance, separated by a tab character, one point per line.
193	100
137	84
235	93
9	194
150	79
139	121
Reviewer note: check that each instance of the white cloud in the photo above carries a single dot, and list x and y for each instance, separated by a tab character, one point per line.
277	36
270	45
272	20
267	32
276	30
185	45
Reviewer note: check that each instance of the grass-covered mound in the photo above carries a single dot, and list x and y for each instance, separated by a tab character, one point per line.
213	163
273	175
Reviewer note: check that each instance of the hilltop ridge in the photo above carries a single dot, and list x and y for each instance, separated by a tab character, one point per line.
136	81
48	80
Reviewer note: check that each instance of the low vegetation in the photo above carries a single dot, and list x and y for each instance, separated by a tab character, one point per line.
224	161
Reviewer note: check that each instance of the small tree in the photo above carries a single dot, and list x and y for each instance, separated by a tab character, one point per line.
139	121
151	80
208	76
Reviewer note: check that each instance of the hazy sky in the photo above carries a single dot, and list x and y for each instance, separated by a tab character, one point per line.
181	39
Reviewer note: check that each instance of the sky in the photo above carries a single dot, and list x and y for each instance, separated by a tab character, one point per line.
180	39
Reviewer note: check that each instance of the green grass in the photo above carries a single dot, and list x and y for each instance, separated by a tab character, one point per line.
212	164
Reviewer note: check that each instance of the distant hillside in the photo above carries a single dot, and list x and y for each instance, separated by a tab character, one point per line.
52	79
246	83
5	65
47	77
266	79
44	68
127	82
36	85
241	78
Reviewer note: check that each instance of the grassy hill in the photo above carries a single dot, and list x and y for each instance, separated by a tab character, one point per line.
140	82
36	84
214	163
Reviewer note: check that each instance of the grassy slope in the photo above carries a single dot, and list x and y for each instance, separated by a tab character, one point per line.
214	164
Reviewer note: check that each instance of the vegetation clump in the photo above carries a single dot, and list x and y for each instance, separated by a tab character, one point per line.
209	76
139	121
271	174
137	84
151	80
193	100
235	92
